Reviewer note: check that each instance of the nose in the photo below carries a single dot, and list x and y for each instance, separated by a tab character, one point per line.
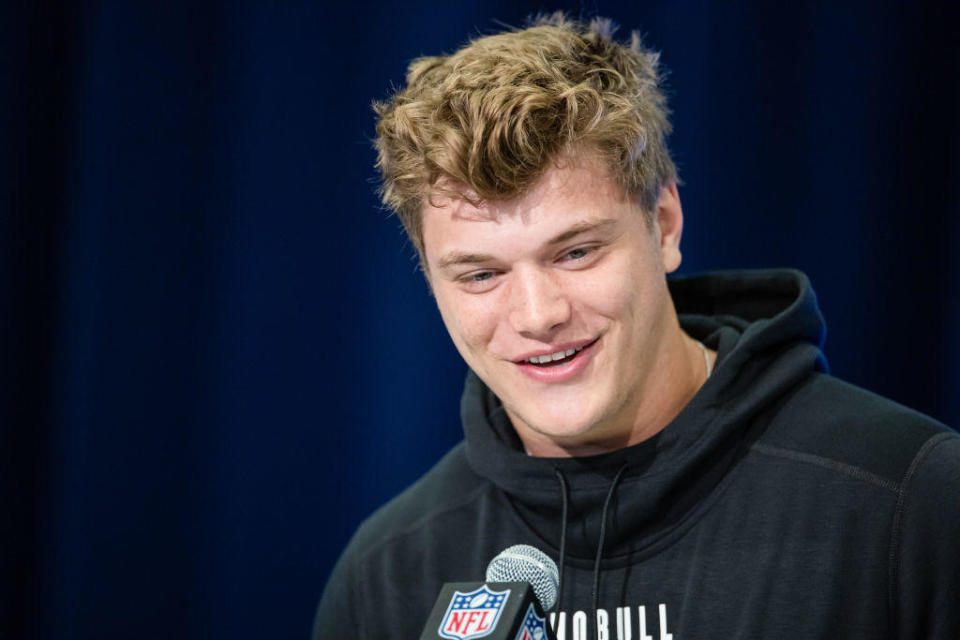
538	303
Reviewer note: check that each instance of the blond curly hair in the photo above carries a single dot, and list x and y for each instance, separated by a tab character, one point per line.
487	121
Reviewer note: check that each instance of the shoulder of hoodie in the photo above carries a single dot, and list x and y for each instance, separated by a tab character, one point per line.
834	424
448	487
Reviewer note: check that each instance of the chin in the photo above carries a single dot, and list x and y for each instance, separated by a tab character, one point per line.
563	427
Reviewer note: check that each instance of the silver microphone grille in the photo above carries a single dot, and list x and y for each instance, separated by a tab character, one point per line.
523	563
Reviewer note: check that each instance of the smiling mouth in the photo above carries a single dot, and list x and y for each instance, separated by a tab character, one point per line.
557	359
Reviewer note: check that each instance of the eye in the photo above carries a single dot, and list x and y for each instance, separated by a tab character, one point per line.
581	257
577	254
478	281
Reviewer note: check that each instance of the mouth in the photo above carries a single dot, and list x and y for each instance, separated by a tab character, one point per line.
556	359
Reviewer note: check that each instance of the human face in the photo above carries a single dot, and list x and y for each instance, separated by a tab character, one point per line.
570	267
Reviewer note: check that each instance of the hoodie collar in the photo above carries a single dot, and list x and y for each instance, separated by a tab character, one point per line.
767	331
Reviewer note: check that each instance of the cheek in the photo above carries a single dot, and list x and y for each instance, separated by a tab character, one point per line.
611	301
610	293
469	319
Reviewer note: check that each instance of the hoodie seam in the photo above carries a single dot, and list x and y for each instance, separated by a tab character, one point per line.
827	463
413	528
897	523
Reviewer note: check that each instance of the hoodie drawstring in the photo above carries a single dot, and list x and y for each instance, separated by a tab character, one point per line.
565	494
563	532
603	533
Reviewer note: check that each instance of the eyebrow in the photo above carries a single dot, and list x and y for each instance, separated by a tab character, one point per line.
459	257
581	227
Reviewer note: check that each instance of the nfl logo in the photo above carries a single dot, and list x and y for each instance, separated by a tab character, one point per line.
534	627
473	614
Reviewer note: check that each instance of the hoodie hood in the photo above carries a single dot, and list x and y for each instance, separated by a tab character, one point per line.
767	331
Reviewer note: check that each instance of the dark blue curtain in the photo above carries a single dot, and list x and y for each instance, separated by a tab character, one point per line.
217	353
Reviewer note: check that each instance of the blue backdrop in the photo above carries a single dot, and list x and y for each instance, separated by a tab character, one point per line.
217	355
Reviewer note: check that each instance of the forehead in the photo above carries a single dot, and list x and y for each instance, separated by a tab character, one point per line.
567	194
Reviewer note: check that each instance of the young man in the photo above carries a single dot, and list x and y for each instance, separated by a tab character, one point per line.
675	447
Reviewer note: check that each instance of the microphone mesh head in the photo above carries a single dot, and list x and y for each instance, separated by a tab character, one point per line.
523	563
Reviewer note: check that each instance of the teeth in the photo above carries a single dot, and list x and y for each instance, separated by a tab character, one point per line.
550	357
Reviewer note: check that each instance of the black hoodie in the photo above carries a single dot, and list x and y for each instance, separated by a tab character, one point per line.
780	503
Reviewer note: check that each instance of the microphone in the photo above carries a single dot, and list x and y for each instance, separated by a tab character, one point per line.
521	584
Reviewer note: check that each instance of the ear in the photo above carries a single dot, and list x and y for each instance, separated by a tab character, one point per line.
670	224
